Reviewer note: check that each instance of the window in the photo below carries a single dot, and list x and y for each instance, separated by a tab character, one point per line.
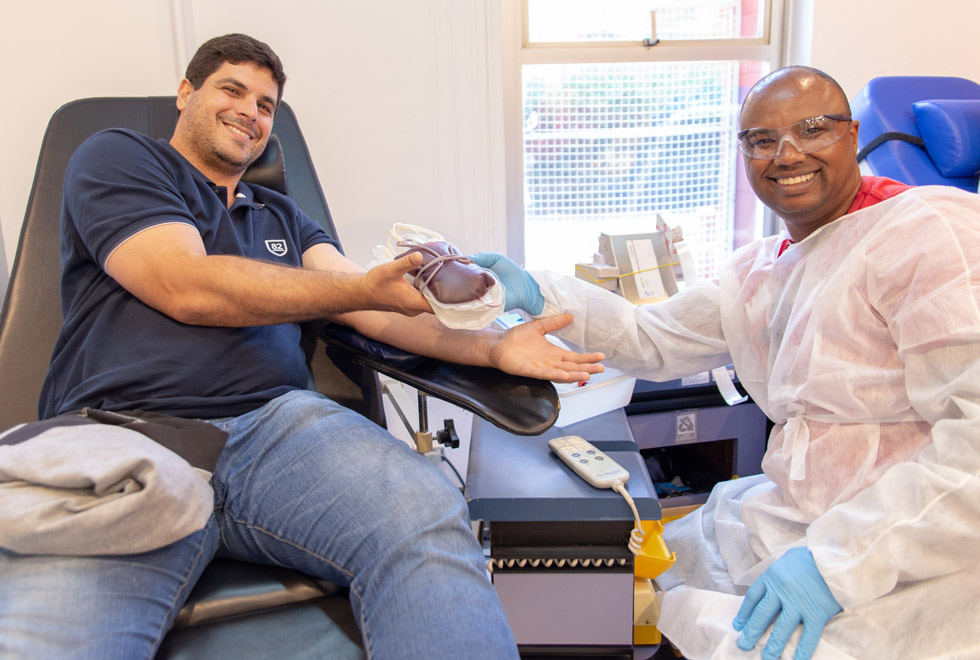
628	110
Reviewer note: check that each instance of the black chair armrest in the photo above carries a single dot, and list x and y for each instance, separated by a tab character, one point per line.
519	405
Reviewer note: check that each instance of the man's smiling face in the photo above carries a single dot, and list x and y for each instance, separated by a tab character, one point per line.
225	124
806	190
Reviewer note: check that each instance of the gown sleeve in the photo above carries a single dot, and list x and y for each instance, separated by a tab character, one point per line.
679	337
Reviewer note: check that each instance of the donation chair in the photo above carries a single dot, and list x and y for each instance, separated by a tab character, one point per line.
920	130
237	610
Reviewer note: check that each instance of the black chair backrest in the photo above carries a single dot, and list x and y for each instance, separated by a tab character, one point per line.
31	316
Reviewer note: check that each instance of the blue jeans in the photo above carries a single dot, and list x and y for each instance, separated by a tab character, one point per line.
303	483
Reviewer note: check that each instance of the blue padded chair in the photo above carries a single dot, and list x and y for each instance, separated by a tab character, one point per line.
920	130
238	610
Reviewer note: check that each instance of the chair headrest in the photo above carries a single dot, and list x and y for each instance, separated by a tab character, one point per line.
270	168
950	129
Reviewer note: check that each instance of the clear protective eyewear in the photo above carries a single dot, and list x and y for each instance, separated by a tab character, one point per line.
806	136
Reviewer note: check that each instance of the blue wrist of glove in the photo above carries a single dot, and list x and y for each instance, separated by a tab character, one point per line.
522	291
792	592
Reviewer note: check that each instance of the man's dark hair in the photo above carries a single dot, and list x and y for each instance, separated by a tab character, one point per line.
234	49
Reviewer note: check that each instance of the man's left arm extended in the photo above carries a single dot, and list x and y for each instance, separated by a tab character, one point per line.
523	350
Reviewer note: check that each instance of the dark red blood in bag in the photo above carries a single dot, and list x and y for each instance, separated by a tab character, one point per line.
450	281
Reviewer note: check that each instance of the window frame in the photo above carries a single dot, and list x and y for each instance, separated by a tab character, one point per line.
518	51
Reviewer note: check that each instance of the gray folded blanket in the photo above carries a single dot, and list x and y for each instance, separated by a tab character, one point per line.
97	489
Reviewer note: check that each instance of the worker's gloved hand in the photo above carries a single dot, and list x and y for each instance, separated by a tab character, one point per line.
522	291
792	589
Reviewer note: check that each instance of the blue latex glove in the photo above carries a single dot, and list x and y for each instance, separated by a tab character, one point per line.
792	589
522	291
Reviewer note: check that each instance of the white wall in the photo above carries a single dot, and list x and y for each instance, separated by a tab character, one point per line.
58	51
399	101
857	41
393	98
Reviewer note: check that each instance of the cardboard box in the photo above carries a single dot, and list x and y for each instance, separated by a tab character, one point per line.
604	276
645	264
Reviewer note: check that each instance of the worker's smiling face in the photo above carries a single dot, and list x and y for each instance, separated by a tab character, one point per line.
225	124
806	190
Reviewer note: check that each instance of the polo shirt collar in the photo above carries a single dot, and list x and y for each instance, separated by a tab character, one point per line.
245	196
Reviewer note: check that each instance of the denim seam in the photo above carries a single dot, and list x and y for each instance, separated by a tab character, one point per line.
351	588
363	624
292	544
161	633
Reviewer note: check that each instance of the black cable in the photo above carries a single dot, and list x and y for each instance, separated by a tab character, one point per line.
455	471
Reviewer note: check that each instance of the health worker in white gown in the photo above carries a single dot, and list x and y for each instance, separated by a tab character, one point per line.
857	331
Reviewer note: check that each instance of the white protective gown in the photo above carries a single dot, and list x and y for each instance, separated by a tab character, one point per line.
862	344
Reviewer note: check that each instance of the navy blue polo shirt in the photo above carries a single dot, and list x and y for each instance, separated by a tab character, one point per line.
117	353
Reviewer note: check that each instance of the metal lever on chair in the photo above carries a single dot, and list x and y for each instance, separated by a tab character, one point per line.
447	436
423	436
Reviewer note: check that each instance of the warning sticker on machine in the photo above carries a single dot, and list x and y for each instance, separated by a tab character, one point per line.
687	427
702	378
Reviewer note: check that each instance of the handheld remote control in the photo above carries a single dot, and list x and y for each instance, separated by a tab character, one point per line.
588	462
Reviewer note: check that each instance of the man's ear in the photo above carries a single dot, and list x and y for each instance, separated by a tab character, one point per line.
184	90
854	133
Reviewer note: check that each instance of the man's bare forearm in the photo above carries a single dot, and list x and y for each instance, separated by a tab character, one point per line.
425	335
523	350
237	292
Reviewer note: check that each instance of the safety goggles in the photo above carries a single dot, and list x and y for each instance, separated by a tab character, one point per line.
806	136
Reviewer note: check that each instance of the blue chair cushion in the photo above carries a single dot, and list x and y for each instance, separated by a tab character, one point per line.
950	129
885	106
